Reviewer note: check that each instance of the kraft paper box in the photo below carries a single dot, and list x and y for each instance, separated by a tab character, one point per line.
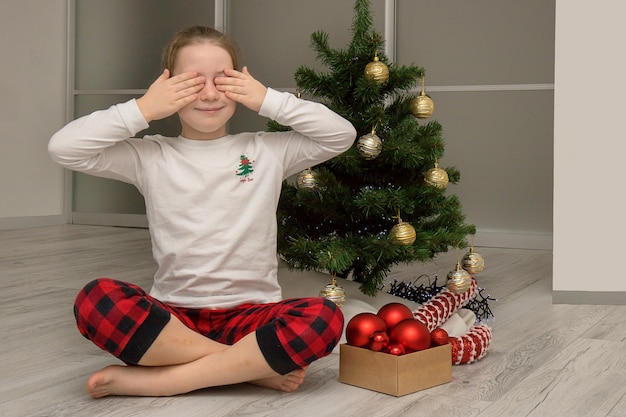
395	375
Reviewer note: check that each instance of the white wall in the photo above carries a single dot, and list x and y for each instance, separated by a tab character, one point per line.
32	107
590	151
589	138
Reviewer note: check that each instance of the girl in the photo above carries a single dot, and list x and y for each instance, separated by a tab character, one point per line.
214	315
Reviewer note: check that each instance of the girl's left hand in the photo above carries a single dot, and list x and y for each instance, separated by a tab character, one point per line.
242	88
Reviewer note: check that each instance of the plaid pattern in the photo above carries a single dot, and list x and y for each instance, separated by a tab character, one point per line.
119	318
123	320
291	333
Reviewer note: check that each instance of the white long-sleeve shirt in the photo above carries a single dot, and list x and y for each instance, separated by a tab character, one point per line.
211	205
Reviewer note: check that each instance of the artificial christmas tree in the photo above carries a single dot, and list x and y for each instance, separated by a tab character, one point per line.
343	224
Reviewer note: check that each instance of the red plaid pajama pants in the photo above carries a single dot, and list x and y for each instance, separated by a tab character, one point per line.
124	320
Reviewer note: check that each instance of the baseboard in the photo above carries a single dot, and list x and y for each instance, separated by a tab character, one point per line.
110	219
589	297
483	238
7	223
490	239
513	240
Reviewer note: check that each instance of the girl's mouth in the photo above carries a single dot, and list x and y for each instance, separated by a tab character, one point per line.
209	110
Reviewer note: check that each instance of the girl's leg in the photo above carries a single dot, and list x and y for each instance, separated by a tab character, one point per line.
292	333
122	319
178	344
241	362
125	321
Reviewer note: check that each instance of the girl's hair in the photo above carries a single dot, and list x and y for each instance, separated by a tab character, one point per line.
194	35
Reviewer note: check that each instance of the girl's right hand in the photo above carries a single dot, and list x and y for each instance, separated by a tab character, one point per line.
168	94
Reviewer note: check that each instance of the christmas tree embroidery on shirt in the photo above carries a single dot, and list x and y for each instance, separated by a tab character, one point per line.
245	169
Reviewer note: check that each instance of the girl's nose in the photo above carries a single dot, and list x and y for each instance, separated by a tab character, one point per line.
209	92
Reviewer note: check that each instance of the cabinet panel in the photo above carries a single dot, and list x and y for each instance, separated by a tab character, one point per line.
118	45
102	195
479	41
119	42
275	36
501	142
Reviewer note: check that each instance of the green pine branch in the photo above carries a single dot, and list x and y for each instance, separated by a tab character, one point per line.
343	226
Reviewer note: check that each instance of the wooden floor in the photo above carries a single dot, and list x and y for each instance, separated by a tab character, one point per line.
545	360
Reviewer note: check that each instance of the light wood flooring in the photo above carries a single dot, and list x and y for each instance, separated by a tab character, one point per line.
545	360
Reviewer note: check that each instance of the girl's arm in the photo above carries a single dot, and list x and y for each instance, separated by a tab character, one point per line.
318	133
100	144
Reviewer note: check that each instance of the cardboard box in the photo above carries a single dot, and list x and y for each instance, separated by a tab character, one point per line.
395	375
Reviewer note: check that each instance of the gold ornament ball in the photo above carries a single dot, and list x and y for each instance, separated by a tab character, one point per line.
473	262
377	71
403	233
436	177
306	180
422	106
334	293
459	280
369	146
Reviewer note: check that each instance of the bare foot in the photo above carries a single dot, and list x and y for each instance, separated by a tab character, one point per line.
126	380
100	384
154	381
287	383
241	362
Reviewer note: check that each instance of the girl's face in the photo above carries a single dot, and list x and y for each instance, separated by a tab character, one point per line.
205	118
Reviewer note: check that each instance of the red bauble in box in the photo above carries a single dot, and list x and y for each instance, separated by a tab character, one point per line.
379	341
396	349
412	334
361	327
394	313
439	337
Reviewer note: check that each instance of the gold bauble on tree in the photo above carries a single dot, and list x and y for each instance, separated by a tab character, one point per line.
459	280
377	70
306	180
369	145
436	176
473	262
402	233
422	106
334	293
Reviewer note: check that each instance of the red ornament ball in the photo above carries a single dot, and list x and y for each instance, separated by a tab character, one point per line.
361	327
412	334
379	341
439	337
394	313
396	349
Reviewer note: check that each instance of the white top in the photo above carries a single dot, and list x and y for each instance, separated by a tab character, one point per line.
211	205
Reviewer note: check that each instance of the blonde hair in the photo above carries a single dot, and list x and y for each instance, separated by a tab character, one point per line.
198	34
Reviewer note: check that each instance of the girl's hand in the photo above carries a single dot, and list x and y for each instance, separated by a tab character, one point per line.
168	94
242	88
